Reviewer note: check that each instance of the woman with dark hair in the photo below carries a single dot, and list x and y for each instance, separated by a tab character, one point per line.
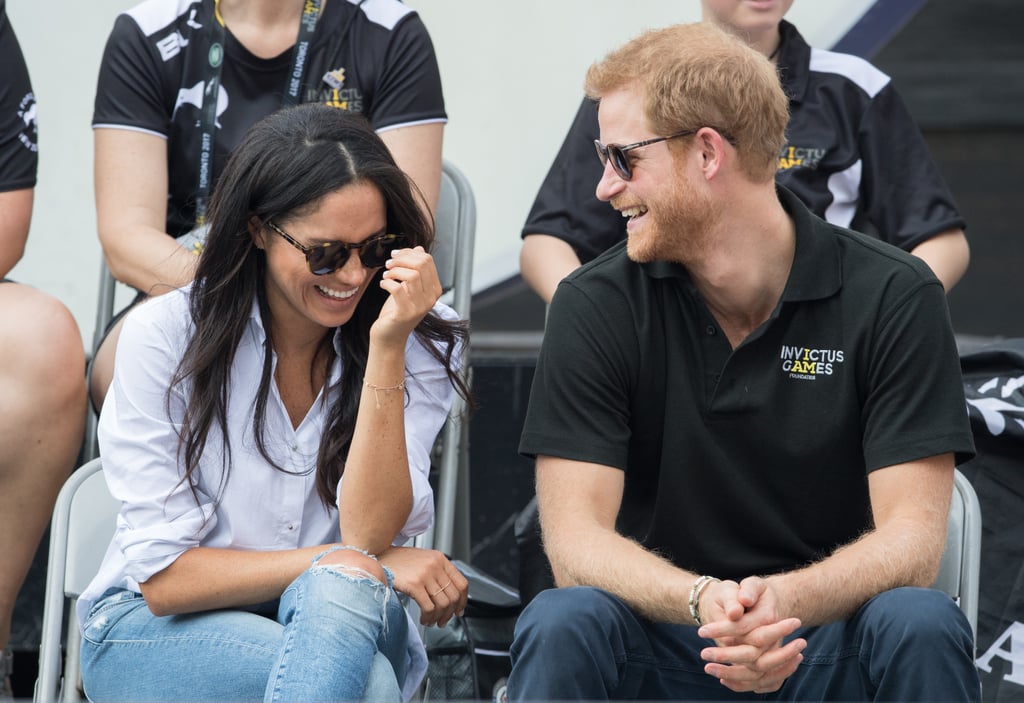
268	432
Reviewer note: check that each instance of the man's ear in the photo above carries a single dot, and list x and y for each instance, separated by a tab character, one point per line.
712	146
257	231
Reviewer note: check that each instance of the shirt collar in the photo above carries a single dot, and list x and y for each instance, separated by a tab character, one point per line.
256	320
666	269
794	62
816	271
259	332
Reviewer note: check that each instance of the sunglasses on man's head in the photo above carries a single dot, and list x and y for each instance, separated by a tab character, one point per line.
331	256
617	153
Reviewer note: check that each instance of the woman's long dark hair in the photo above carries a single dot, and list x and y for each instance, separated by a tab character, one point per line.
283	167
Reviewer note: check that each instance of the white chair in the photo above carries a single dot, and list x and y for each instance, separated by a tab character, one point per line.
81	528
961	560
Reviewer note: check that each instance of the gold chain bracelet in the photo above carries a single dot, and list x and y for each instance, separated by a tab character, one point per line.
386	389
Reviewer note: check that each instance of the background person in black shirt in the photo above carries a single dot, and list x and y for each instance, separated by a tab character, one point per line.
853	154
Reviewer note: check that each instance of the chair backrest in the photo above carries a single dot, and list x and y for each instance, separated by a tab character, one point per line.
961	560
81	528
455	225
453	254
91	519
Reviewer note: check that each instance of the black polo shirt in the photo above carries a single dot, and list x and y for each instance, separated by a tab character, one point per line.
753	460
853	154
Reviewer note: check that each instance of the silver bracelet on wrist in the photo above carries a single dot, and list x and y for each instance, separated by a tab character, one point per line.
695	592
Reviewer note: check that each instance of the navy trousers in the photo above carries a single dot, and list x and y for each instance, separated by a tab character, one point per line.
908	644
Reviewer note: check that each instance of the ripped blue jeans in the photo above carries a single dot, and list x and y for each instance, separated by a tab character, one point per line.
335	634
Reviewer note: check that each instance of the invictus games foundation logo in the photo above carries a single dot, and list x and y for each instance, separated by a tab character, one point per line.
807	364
29	133
800	156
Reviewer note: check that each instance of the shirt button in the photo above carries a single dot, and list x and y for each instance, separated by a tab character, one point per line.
295	447
291	527
710	329
718	377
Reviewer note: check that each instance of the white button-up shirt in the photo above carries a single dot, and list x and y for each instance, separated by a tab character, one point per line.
253	506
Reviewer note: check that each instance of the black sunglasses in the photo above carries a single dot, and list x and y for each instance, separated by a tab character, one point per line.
331	256
617	153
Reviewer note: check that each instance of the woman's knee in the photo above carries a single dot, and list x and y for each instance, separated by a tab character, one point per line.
39	338
352	562
341	582
42	372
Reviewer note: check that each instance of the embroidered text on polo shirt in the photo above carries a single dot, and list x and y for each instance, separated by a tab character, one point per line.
806	364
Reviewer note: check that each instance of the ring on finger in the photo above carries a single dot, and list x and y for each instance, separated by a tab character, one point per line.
441	588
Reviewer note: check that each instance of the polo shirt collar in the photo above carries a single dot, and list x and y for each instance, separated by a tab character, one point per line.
816	271
665	269
794	62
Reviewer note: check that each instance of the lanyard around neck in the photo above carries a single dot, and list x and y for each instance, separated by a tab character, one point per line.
208	114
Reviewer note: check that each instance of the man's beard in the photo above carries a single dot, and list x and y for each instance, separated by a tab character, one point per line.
678	230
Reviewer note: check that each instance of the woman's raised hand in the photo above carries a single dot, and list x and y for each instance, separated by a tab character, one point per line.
412	280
